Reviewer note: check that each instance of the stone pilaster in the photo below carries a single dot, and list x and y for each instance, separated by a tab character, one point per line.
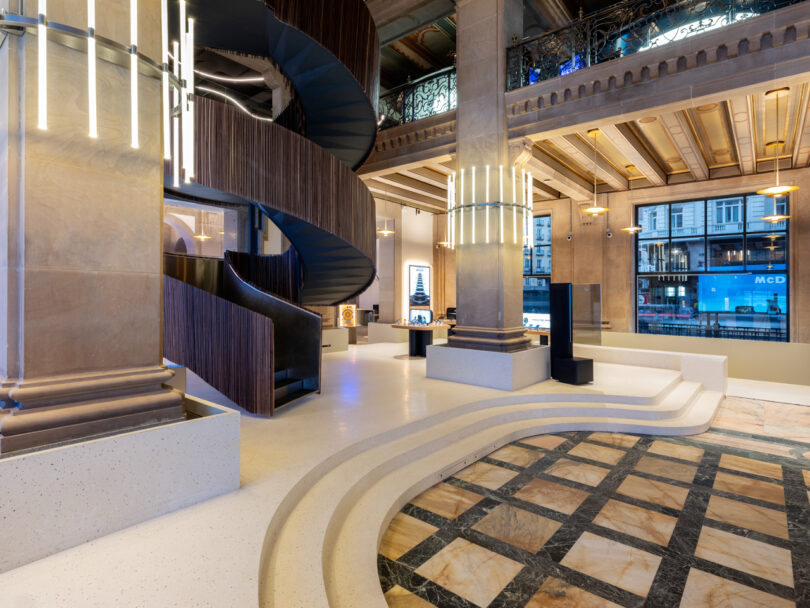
80	242
489	264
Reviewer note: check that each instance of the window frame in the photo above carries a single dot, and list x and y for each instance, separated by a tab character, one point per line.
782	203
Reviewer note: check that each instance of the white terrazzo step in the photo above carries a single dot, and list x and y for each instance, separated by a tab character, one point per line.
294	572
350	565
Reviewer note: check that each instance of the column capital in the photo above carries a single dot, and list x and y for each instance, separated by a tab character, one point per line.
520	151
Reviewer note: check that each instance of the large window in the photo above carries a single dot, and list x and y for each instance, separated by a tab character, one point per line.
713	268
537	276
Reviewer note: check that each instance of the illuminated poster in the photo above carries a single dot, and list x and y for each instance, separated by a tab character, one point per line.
419	286
346	316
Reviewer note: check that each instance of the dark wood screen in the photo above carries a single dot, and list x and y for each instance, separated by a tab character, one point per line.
345	27
268	164
199	332
278	274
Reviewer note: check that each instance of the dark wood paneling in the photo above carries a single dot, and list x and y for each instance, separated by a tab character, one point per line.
228	346
278	274
268	164
345	27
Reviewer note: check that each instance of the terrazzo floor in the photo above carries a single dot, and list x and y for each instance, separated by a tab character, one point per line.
605	520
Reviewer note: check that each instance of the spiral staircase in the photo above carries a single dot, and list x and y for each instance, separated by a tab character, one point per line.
299	174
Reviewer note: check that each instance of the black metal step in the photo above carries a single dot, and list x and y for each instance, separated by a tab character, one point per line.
290	397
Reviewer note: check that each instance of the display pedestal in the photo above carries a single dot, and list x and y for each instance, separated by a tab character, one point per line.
505	371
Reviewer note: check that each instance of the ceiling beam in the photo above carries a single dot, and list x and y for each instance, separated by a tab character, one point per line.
633	150
679	131
742	125
801	150
582	153
428	176
404	197
413	185
543	192
552	172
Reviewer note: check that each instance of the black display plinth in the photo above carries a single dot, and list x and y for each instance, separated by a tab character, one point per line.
418	341
572	370
564	366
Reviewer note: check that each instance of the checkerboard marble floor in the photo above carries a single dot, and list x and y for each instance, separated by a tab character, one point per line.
605	520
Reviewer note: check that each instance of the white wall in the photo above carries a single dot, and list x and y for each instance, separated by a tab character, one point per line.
417	249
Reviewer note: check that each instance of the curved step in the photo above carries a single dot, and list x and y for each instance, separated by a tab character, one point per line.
305	570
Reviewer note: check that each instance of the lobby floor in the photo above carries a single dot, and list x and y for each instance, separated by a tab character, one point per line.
601	519
211	554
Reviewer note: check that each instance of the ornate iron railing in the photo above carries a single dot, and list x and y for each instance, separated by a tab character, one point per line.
428	96
623	29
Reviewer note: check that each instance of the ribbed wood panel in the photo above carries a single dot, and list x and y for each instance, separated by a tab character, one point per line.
228	346
278	274
345	27
269	164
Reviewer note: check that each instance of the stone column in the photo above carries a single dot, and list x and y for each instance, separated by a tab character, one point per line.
489	275
80	241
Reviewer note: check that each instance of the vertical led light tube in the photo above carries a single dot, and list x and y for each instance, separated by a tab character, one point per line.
530	191
133	70
92	102
473	206
449	207
487	200
523	197
164	46
184	128
42	66
176	119
500	200
514	206
190	56
453	212
461	200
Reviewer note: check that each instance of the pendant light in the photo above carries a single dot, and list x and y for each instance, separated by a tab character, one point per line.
202	236
596	208
776	190
385	230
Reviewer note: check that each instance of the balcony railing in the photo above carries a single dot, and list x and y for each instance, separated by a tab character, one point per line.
428	96
629	27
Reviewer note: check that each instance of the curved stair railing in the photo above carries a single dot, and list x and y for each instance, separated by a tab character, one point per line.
303	182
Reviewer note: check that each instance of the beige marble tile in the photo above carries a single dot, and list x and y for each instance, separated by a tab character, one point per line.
517	527
674	450
397	597
749	465
579	472
446	500
656	492
746	555
806	477
752	488
628	568
745	444
636	521
548	442
751	517
667	468
486	475
517	455
704	589
599	453
554	593
617	439
781	420
471	571
550	495
403	534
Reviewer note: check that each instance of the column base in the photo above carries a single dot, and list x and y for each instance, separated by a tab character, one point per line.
45	411
505	371
504	340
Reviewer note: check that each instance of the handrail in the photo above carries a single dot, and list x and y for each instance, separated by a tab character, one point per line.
429	95
626	28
